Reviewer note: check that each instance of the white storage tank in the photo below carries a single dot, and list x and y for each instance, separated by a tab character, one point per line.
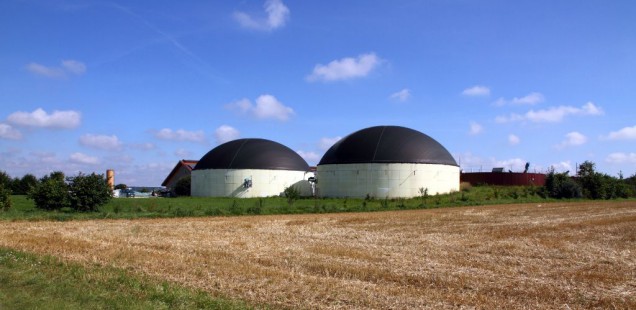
387	161
249	168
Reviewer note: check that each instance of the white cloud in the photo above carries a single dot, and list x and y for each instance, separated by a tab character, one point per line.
143	146
183	153
8	132
551	115
475	128
81	158
181	135
50	72
40	118
45	157
529	99
621	158
74	66
265	107
514	164
476	90
226	133
402	95
325	143
472	163
277	16
103	142
627	133
345	68
572	139
66	67
310	157
513	139
563	167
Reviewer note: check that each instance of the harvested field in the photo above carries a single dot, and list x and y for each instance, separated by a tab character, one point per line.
558	255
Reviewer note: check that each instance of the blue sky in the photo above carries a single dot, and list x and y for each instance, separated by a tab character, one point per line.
137	85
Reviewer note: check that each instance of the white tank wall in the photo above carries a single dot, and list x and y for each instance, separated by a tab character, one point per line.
229	182
386	180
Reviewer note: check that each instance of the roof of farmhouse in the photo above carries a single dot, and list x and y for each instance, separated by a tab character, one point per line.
252	154
387	144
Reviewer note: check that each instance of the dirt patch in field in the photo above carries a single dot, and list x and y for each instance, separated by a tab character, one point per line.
559	255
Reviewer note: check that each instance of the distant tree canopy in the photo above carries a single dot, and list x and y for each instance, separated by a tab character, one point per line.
121	186
51	193
81	192
88	192
588	184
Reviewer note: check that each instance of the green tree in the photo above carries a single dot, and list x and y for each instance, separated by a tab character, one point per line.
5	198
121	186
560	185
5	179
24	185
183	186
51	193
88	192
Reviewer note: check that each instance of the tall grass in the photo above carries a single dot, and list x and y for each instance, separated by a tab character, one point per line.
131	208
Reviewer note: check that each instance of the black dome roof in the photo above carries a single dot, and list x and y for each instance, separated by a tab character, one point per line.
387	144
252	154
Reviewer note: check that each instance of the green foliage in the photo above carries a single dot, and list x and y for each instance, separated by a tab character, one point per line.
154	207
560	185
599	185
88	192
121	186
234	208
81	193
30	281
22	186
5	198
51	193
292	194
183	186
5	180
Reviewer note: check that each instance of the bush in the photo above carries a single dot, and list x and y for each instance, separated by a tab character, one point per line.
88	192
51	193
292	194
24	185
183	186
5	198
81	193
560	185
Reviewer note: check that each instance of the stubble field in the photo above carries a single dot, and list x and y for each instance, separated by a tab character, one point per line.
557	255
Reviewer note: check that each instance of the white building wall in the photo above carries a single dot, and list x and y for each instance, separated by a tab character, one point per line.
386	180
229	182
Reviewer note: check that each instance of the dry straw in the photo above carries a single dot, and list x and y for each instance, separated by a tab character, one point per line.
560	256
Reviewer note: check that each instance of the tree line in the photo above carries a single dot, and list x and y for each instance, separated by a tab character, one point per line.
589	184
87	192
83	192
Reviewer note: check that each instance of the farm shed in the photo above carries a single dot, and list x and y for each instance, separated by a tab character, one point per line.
386	161
181	170
249	168
504	178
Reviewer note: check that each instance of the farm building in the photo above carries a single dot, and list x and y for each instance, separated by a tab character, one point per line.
181	170
386	161
504	178
250	168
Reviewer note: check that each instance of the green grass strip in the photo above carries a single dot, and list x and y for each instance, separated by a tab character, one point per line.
29	281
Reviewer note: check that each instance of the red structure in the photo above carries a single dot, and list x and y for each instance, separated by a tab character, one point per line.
504	178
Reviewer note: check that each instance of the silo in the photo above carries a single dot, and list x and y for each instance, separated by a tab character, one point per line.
249	168
110	178
387	161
